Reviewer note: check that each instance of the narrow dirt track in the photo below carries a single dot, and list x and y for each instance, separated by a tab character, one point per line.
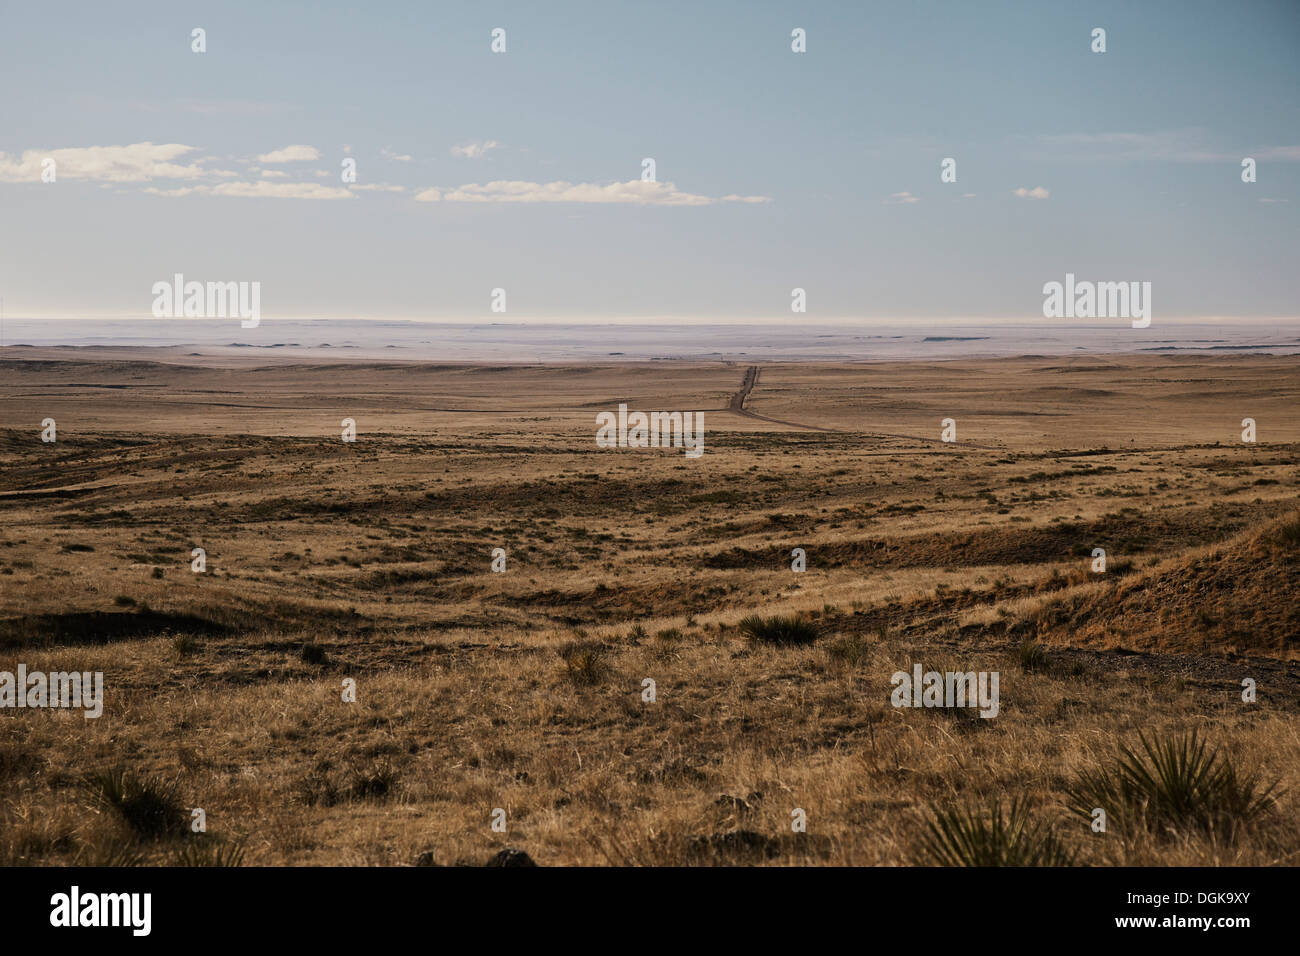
737	405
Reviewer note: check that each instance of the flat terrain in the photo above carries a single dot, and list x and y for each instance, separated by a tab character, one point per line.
329	561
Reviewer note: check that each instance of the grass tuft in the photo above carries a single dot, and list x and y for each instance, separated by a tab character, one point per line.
585	662
1031	656
149	806
315	655
778	629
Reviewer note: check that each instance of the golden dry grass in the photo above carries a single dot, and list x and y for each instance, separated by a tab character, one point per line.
523	690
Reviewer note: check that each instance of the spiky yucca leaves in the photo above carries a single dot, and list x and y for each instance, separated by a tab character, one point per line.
1172	784
779	630
209	852
149	807
586	663
110	853
965	836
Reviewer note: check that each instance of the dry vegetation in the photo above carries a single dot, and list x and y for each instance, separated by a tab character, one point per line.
523	690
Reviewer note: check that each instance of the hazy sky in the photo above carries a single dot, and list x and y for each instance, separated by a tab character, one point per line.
775	169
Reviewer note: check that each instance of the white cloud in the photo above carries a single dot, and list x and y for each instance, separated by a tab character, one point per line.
290	154
136	163
901	198
967	195
635	192
379	188
1269	199
475	150
273	174
398	157
267	190
259	190
1038	192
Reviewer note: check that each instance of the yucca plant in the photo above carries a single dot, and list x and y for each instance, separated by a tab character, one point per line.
150	807
110	853
779	630
966	836
209	852
1171	784
585	662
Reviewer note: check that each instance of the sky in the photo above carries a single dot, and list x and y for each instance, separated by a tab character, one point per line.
774	170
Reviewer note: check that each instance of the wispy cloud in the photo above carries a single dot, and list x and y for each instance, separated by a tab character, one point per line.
379	188
901	199
175	163
398	157
290	154
1286	153
262	189
636	192
138	162
1038	192
475	150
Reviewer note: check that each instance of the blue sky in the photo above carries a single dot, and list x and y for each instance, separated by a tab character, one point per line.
775	170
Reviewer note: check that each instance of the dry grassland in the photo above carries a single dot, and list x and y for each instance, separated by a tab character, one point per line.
522	691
